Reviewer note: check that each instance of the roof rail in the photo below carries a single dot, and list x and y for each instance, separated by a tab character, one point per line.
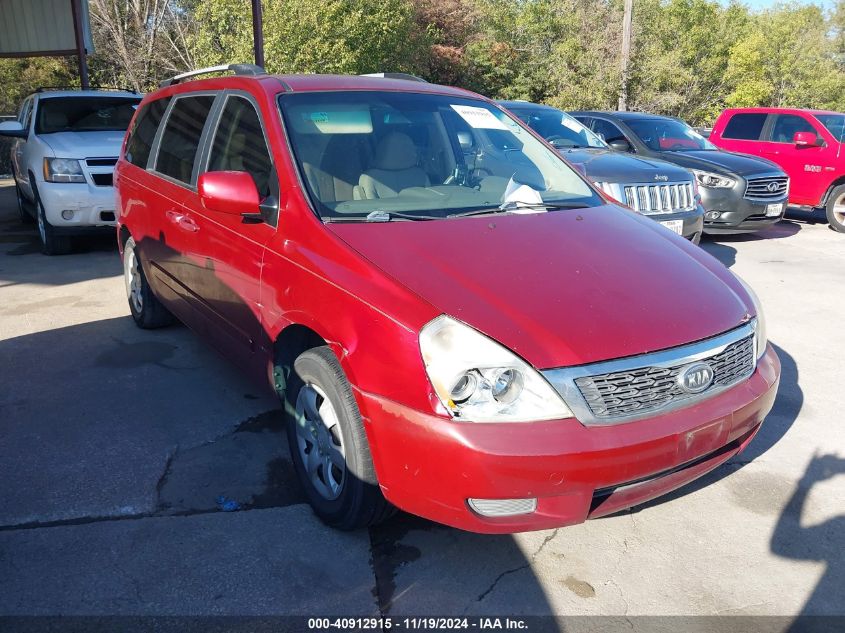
238	69
405	76
78	89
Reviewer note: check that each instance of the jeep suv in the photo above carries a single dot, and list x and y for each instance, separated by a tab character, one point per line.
739	193
65	149
662	191
807	144
497	349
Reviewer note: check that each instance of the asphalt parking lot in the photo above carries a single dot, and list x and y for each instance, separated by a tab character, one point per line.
121	451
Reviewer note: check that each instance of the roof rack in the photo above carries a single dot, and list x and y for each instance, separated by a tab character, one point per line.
238	69
405	76
78	89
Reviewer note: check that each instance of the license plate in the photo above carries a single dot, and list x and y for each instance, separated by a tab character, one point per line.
676	226
773	210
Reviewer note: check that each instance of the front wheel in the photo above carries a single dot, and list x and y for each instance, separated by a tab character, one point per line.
147	311
25	216
835	209
328	444
51	242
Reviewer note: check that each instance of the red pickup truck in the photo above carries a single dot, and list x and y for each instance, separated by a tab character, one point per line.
807	144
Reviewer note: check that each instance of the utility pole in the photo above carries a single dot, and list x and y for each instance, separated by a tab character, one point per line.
626	53
258	32
81	53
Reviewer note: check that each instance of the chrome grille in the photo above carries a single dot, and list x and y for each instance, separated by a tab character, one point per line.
770	188
654	199
630	388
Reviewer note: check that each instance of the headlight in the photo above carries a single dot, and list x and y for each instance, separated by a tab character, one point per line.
479	380
713	181
63	170
760	338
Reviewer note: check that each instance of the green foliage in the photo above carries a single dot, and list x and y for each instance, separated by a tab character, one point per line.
331	36
690	58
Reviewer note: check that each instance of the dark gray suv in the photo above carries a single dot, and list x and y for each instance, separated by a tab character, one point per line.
740	193
663	191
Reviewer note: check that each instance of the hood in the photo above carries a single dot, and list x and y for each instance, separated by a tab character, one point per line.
604	165
85	144
722	162
559	288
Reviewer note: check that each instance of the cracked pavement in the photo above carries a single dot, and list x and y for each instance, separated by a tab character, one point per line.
120	448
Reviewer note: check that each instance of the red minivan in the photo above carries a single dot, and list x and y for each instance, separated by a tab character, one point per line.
494	346
807	144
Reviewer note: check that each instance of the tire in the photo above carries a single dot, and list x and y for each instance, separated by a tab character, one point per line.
25	216
147	311
51	243
328	444
835	208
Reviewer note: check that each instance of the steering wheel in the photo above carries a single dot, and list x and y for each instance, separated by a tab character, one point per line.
677	146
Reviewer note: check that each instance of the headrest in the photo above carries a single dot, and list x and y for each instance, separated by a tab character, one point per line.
395	151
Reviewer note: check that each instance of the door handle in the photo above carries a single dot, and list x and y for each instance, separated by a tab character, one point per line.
183	221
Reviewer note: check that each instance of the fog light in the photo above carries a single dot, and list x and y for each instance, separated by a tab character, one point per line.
713	215
502	507
67	214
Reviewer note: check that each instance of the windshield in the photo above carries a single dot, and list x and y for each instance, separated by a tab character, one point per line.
558	128
835	124
366	153
668	135
85	114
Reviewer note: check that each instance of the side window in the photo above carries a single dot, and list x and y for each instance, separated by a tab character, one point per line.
746	126
609	131
141	139
787	125
181	137
239	144
25	115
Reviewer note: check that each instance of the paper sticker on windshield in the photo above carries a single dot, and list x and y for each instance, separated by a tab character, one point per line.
572	124
479	117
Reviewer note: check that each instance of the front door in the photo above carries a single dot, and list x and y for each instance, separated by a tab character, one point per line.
233	247
805	165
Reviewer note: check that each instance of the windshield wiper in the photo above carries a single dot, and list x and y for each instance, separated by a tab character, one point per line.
381	216
514	206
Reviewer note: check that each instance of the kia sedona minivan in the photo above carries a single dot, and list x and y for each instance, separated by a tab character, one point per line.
498	349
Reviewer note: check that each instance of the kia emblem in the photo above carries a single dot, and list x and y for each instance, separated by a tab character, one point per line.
695	377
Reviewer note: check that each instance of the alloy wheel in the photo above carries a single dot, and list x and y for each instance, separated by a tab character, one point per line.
132	276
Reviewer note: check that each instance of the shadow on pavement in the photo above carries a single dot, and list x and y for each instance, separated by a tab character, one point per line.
822	542
144	466
721	246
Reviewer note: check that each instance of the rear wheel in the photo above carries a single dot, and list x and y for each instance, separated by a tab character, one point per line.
51	243
328	444
835	209
147	311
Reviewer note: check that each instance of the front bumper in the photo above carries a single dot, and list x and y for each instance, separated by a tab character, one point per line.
693	221
91	206
430	466
737	214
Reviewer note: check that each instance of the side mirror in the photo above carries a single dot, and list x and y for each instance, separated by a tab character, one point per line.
232	192
12	129
620	145
806	139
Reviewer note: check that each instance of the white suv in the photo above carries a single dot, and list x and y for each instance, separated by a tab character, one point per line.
66	147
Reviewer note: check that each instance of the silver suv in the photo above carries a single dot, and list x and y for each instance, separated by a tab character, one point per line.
66	146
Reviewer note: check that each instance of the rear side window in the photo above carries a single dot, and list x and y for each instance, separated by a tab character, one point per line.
181	137
239	144
141	140
745	127
787	125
